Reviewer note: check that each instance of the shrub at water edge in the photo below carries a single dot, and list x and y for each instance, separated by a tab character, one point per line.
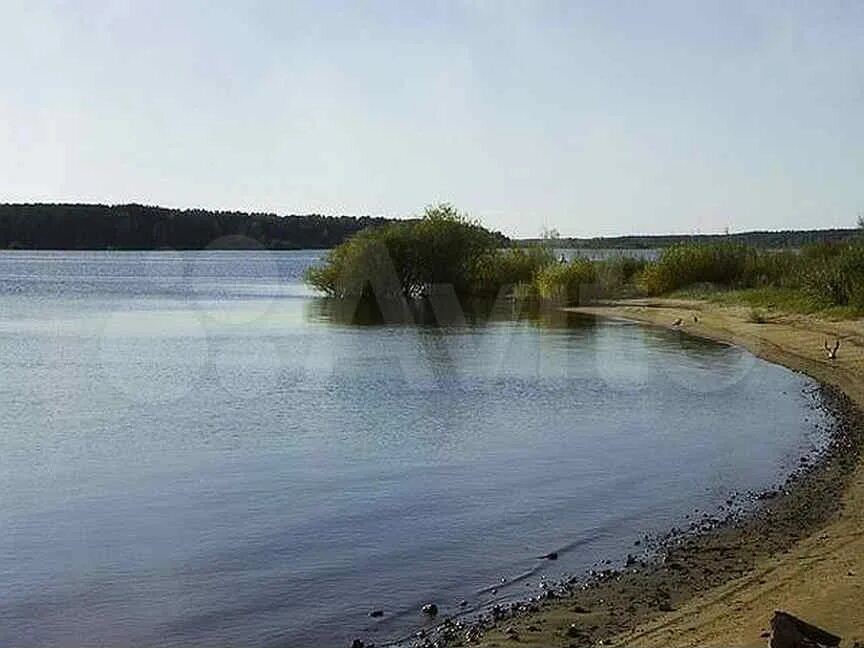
413	258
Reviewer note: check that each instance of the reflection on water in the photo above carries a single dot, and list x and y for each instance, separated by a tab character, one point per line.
441	311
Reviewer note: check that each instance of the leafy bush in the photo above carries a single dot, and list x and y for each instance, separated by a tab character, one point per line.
411	258
732	266
565	281
513	268
367	263
682	265
771	268
617	273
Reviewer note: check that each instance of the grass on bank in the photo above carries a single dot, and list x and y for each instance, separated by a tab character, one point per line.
823	278
769	298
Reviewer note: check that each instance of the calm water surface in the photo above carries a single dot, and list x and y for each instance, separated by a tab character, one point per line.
195	452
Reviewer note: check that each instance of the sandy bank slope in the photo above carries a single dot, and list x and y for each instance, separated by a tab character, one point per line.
822	578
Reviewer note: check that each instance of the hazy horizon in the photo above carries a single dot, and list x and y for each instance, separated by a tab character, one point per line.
593	119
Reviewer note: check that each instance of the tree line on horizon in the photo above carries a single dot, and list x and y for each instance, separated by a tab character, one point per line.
141	227
778	239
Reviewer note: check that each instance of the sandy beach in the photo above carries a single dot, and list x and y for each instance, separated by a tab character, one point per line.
802	550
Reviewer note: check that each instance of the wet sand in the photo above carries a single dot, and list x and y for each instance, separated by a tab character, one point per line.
717	583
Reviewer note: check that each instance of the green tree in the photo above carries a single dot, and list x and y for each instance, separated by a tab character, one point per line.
413	258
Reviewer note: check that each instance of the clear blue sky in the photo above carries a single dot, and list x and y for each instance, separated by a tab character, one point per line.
592	117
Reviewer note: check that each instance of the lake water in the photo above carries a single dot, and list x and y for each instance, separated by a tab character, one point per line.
603	254
194	451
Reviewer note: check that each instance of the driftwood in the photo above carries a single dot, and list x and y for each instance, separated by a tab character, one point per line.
788	631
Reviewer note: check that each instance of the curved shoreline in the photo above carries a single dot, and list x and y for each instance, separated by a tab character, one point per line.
800	549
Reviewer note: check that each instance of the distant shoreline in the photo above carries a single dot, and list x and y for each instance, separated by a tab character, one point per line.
136	227
133	227
766	239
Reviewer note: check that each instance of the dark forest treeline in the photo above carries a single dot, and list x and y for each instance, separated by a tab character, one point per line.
139	227
760	239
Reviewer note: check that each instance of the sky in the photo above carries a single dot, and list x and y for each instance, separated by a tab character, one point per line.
594	118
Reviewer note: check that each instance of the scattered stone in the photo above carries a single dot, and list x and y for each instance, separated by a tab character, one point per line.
357	644
430	608
463	604
574	631
376	613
